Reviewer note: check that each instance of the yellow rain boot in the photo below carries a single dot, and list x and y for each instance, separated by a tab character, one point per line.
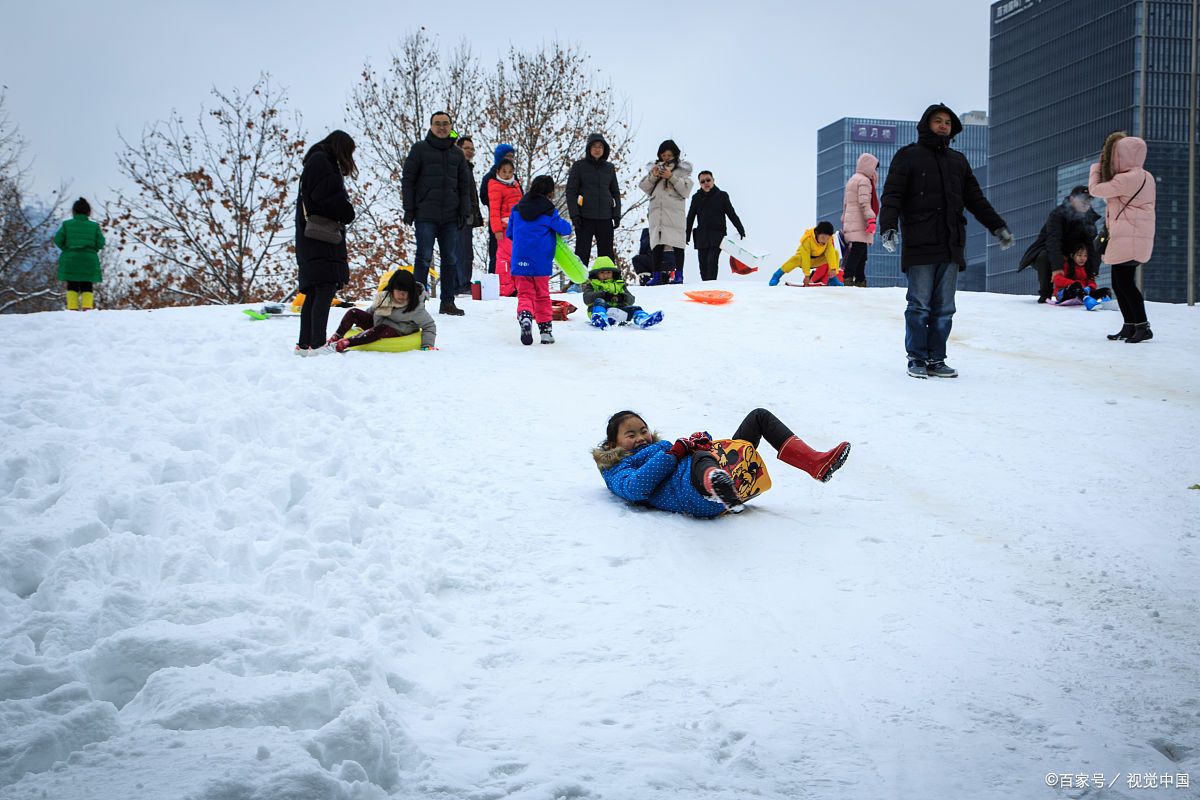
72	300
86	301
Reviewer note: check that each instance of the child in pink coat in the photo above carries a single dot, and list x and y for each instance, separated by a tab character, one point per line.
504	192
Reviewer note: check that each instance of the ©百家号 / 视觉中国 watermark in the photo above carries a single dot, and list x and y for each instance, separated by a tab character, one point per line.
1130	780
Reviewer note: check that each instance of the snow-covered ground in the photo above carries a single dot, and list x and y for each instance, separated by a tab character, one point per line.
227	572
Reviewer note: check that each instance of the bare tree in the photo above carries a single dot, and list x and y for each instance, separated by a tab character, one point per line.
28	262
210	217
390	110
545	102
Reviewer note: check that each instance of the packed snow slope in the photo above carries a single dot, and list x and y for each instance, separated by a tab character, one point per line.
227	572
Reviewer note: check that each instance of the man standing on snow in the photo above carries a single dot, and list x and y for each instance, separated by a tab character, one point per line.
594	200
928	185
437	189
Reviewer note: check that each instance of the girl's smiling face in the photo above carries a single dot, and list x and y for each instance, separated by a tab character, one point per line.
632	434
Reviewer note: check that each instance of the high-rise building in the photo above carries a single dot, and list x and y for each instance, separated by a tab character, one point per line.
1065	74
838	148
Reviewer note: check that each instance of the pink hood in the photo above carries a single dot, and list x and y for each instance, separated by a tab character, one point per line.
1131	196
1129	153
868	165
860	201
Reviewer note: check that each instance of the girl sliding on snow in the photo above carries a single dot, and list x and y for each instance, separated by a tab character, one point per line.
684	476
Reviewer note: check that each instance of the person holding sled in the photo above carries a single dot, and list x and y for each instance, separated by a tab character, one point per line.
816	255
684	476
532	227
609	300
710	206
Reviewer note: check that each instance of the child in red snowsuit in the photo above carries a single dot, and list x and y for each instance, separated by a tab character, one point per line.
504	192
1073	282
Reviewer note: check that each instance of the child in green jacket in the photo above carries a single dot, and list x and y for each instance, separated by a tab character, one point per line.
610	302
80	241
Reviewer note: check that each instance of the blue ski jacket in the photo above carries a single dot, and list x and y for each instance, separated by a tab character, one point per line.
652	476
531	227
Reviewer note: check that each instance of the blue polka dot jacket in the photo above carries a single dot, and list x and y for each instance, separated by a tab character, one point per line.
652	476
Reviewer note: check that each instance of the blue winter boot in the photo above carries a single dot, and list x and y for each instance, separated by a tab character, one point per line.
644	320
599	317
1090	302
778	276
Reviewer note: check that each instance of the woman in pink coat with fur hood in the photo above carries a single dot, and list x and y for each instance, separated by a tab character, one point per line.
1122	180
860	206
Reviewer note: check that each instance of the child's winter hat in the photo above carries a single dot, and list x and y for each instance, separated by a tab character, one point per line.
604	262
501	152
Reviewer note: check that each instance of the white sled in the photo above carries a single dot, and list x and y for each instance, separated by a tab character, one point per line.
745	251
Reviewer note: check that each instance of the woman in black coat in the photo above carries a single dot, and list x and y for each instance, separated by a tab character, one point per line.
710	206
324	266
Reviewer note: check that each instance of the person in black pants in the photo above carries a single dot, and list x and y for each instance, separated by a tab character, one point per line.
710	206
594	200
324	266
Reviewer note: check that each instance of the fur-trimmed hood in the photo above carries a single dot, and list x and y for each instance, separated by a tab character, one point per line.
609	457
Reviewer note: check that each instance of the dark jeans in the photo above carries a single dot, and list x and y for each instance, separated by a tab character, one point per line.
855	266
657	258
930	312
314	314
599	229
447	235
757	425
710	257
466	259
79	286
365	322
1129	298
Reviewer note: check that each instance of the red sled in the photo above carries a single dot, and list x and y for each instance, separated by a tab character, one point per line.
738	268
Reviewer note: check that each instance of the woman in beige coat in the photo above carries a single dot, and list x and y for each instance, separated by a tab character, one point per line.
1122	180
668	183
860	207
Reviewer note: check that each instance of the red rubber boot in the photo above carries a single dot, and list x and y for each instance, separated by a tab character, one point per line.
819	465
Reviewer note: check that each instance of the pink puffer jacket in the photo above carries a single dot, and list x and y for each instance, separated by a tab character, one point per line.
860	204
1130	225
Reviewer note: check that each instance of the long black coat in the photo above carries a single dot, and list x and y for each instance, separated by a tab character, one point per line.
928	186
322	192
710	209
1064	230
436	183
595	180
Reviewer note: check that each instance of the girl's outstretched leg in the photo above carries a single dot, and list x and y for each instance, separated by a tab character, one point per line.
792	450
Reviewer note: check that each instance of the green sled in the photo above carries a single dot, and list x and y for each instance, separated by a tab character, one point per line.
568	262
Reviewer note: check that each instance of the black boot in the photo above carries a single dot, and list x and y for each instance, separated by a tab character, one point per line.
448	307
526	321
1125	332
546	329
1141	333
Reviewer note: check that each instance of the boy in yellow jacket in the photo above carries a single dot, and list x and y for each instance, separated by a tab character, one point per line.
816	255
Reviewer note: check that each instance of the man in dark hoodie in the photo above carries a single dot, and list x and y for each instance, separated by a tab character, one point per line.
710	206
1069	224
928	186
437	189
594	200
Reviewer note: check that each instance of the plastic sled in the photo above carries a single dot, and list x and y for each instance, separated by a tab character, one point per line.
712	297
741	460
744	251
566	260
394	344
738	268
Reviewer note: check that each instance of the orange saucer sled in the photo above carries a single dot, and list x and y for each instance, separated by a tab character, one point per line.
714	297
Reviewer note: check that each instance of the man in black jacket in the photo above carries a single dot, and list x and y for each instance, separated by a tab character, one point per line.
594	200
928	186
437	188
710	206
1068	225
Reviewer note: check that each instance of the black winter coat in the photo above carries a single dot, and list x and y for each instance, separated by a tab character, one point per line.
322	192
928	186
596	181
1063	231
710	209
476	211
436	182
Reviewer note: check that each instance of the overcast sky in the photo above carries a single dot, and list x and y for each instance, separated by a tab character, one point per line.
742	86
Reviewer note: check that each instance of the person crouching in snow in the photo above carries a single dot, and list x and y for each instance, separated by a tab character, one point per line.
683	476
610	302
817	256
504	192
1073	282
397	310
531	227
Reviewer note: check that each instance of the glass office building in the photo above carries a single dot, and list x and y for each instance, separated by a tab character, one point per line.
838	148
1066	73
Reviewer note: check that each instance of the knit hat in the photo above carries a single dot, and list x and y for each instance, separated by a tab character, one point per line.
604	262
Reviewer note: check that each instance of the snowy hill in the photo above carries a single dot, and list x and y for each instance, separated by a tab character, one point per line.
226	572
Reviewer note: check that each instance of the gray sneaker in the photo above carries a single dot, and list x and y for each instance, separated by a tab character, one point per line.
939	369
916	369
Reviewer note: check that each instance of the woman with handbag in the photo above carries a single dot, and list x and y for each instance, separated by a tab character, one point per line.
1127	239
323	210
